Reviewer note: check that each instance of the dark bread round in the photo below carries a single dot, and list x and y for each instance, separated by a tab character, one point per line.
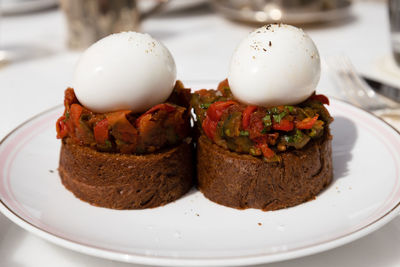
243	181
122	181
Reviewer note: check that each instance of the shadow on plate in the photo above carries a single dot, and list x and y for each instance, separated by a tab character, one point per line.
192	191
18	53
344	137
383	246
11	237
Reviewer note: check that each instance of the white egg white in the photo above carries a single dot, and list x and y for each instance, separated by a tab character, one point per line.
127	70
275	65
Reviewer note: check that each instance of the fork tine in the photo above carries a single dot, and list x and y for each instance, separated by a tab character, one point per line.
356	89
357	79
337	73
371	98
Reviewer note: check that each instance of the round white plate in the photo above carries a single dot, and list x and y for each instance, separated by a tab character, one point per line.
11	7
193	231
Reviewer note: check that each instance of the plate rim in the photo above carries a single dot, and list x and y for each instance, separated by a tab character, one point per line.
193	261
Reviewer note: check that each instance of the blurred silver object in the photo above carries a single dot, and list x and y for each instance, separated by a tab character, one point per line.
287	11
394	18
91	20
384	89
359	93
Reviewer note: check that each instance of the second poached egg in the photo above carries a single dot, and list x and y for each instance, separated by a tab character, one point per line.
275	65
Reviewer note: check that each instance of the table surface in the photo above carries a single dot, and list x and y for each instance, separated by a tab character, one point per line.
201	43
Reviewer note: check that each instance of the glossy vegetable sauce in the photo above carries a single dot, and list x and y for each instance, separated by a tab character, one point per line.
258	131
123	131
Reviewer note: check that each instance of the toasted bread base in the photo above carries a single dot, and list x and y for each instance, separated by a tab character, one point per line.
243	181
121	181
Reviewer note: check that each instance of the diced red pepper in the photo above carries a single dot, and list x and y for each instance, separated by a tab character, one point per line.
267	152
75	113
114	117
70	97
256	127
223	85
307	123
283	125
216	109
269	139
101	131
121	128
210	127
281	108
166	107
61	128
203	92
321	98
246	116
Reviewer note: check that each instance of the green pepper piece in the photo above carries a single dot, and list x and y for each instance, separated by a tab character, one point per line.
279	117
267	121
244	133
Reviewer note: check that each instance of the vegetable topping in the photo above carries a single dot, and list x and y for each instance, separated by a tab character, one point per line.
123	131
258	131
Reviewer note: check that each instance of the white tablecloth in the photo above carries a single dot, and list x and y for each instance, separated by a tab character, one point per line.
202	44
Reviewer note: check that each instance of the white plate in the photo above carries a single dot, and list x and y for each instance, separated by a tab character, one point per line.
11	7
192	231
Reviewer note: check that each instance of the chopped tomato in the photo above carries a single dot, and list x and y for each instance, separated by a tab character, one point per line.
162	125
307	123
283	125
246	116
256	126
222	85
125	132
209	126
114	117
272	137
166	107
61	128
321	98
214	113
267	152
216	109
101	131
121	128
281	108
76	111
203	92
70	97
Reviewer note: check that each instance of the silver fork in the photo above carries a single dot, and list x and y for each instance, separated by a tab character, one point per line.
359	93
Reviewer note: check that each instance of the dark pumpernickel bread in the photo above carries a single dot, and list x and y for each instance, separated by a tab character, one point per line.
243	181
122	181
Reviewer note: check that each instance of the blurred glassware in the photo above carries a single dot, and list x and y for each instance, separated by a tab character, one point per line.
394	18
91	20
3	52
286	11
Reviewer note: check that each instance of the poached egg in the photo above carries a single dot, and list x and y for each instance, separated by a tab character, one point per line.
124	71
274	65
